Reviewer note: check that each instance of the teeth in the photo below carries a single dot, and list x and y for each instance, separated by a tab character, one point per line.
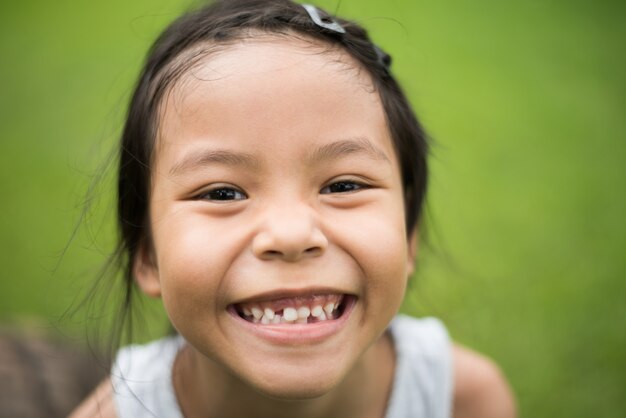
290	314
317	311
256	312
269	313
304	312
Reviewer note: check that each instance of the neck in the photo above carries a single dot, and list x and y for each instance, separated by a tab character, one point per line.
205	389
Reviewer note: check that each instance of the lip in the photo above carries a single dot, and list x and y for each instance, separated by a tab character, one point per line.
298	334
291	293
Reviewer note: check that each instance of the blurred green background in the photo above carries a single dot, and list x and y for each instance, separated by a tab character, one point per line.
524	253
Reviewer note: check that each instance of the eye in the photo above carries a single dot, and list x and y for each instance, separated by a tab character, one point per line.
223	194
343	186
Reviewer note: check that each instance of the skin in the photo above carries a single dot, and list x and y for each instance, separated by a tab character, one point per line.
274	171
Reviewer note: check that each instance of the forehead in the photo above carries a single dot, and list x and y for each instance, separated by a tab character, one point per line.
269	86
260	54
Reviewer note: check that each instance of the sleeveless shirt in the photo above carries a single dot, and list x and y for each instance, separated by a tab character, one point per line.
422	386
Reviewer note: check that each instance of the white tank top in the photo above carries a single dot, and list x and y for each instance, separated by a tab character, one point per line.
422	388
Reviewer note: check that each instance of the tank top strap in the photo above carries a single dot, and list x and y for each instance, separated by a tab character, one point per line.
142	380
423	381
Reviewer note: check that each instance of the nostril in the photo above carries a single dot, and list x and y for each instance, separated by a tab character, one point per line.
292	255
288	240
313	251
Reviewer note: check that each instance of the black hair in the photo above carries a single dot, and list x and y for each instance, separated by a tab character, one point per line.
190	38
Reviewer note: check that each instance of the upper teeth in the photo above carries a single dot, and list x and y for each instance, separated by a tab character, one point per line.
268	313
256	312
317	311
304	312
298	311
290	314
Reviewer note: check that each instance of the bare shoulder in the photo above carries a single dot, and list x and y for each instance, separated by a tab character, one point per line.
98	404
480	389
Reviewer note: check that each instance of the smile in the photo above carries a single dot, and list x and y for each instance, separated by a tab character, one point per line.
294	310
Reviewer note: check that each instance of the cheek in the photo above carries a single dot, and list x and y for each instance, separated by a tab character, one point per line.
191	263
387	263
376	239
187	242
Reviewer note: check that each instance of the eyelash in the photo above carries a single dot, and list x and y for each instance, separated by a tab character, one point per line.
229	193
223	194
352	185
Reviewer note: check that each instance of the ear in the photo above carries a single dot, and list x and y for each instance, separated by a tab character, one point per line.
412	248
145	271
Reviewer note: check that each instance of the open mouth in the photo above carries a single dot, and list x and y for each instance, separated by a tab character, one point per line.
295	310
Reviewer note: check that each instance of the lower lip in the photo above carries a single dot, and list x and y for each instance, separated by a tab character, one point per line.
298	334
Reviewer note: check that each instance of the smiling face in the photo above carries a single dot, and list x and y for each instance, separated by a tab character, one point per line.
276	192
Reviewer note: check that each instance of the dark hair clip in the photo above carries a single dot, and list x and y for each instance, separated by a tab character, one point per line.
383	58
324	22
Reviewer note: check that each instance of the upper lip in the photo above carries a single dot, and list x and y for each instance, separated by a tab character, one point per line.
292	293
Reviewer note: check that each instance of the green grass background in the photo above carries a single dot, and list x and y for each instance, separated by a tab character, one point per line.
524	254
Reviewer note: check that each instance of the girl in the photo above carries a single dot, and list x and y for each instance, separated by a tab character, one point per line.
270	184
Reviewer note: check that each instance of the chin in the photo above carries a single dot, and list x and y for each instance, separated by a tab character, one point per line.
297	391
293	384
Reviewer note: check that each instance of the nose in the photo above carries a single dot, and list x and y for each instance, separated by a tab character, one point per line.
289	233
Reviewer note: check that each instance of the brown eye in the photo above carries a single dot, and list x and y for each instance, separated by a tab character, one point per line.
342	187
223	194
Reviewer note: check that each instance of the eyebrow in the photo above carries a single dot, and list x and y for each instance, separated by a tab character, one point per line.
332	151
198	159
346	147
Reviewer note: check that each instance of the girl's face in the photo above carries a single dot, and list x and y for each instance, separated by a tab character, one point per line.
276	193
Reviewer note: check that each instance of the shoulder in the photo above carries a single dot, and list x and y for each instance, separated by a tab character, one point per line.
99	404
480	389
